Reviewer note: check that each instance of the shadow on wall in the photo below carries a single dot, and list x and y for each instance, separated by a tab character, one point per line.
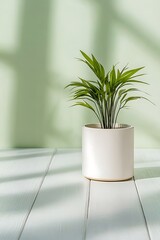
108	19
104	32
30	65
31	122
108	16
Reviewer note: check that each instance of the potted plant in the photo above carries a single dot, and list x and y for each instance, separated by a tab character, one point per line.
107	146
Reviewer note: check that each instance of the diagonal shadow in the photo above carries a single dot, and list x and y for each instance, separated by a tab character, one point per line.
147	172
30	65
26	156
39	174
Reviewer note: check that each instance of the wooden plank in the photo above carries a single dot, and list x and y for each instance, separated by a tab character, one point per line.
59	212
21	174
147	175
115	212
147	163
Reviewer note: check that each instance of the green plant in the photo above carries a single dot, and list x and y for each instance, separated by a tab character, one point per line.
109	93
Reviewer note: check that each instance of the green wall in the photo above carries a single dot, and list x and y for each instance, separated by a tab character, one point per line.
39	41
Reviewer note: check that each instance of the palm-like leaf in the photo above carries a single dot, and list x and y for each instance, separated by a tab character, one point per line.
109	93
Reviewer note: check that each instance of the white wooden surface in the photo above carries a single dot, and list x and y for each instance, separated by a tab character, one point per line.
44	196
21	174
115	212
60	210
147	179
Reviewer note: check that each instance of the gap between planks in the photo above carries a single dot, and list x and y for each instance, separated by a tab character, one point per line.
34	200
87	207
145	220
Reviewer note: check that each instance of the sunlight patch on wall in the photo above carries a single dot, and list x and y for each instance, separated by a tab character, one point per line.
72	30
10	20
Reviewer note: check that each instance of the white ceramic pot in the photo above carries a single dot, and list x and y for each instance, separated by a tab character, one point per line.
108	154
